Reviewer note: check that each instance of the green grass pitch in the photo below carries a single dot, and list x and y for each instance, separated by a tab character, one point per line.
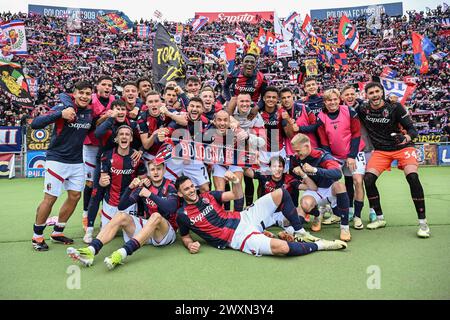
409	267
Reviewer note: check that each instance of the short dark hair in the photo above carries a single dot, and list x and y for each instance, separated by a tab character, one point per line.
196	99
105	77
118	102
193	79
348	86
286	89
129	83
80	85
373	84
180	180
308	79
271	89
138	82
169	88
278	159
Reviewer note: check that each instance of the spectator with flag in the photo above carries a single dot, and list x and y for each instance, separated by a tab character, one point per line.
422	49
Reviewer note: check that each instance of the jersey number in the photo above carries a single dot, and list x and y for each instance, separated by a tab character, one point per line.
409	154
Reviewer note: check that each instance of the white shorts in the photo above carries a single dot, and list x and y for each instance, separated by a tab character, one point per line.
139	223
360	165
323	196
265	156
248	236
194	170
219	170
90	160
109	211
58	175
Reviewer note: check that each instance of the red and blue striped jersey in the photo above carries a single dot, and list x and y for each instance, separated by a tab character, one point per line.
122	170
287	182
209	220
236	83
274	123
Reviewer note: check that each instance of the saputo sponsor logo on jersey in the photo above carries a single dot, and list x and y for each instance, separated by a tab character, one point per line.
121	171
377	120
202	214
245	89
79	126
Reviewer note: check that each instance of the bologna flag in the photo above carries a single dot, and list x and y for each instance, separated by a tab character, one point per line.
143	31
230	55
199	23
14	84
399	88
7	165
422	48
348	34
169	62
14	34
117	22
73	39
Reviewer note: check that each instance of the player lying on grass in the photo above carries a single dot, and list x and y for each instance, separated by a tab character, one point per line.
325	171
205	216
156	197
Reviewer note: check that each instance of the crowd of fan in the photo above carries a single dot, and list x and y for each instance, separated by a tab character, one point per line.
125	56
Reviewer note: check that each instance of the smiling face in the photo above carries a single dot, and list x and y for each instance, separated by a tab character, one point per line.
122	113
349	97
144	88
276	168
193	87
130	95
82	97
104	88
124	138
208	100
311	87
244	103
153	102
195	110
187	192
222	121
375	97
332	103
170	97
248	65
270	99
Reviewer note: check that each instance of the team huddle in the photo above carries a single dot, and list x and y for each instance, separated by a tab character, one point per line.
117	152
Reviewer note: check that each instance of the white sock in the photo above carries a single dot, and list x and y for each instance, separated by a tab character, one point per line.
422	221
85	214
123	253
319	244
345	227
371	210
90	230
380	217
301	231
91	248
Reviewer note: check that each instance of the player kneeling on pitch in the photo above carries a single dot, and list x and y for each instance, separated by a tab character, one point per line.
205	216
155	224
325	171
